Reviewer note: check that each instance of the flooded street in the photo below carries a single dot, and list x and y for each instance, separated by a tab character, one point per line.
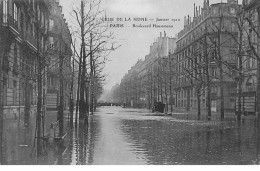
118	136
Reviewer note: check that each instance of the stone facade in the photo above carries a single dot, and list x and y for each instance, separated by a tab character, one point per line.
202	46
21	44
59	43
169	74
251	10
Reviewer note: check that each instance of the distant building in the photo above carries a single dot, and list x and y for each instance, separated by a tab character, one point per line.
148	80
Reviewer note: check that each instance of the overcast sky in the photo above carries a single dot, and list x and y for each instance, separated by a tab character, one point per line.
135	42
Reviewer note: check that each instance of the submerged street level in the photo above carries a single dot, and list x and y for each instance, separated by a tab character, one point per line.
116	136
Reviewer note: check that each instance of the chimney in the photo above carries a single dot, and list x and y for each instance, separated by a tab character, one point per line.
197	12
194	10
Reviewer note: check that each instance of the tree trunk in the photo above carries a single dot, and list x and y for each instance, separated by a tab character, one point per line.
40	94
82	102
258	91
61	106
78	88
1	94
188	100
198	101
258	72
27	102
87	98
170	78
240	74
91	77
208	98
221	81
166	95
72	94
39	102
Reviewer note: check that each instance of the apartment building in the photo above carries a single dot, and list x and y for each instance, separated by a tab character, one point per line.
250	16
24	40
205	48
148	80
60	51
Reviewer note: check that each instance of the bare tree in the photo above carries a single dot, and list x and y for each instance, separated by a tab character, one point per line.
93	38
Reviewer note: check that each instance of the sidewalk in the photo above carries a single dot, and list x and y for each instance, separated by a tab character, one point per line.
192	115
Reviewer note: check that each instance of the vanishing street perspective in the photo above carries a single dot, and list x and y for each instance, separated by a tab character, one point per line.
129	82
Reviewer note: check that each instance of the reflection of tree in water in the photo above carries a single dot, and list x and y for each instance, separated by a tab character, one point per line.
81	143
181	143
77	148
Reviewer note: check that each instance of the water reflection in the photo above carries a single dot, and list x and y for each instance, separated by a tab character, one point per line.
121	136
181	143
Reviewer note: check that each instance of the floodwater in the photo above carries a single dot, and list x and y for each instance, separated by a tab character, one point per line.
119	136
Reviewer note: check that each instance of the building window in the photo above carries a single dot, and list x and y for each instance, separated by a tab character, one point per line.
42	43
15	13
14	93
214	72
15	65
51	24
250	85
214	90
233	26
38	13
232	10
51	43
251	62
42	19
5	11
215	10
10	82
5	91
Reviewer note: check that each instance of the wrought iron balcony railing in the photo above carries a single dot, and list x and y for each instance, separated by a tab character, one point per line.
9	20
30	40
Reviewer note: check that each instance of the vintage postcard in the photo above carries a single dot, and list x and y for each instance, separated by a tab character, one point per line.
129	82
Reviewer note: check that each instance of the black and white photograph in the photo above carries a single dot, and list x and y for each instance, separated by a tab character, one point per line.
129	82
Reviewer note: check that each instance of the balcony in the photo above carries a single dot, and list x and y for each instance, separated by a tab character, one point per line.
9	21
30	40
